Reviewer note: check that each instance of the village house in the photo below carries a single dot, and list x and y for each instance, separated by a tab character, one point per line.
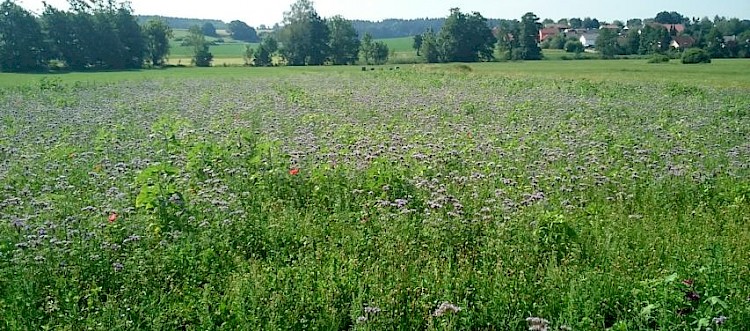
588	39
682	42
730	39
547	33
550	31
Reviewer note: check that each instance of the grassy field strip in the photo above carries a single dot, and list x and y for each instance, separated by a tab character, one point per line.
721	73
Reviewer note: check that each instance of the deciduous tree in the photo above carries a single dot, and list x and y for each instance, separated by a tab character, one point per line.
202	56
654	40
576	23
430	48
208	29
632	42
379	52
666	17
365	48
266	50
634	23
589	23
417	43
239	30
21	40
467	38
606	43
305	35
98	34
527	38
344	43
574	46
130	34
157	34
507	38
373	52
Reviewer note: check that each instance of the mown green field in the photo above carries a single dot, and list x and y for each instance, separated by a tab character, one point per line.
721	73
400	45
227	50
231	51
558	195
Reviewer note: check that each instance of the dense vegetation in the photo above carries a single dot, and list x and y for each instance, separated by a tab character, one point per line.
447	200
696	55
720	37
181	23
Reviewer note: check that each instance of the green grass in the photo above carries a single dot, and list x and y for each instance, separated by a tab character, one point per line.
232	51
399	45
721	73
228	50
329	198
221	51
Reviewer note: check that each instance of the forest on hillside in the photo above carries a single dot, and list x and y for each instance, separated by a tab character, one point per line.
180	23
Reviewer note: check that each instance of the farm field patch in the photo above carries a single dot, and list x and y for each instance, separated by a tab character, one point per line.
594	195
730	73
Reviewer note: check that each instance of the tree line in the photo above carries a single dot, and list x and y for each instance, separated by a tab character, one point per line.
97	34
719	38
307	39
103	34
179	23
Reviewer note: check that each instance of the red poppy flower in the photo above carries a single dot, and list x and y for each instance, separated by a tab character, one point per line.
113	217
294	171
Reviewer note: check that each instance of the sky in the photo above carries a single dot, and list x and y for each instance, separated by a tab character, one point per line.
255	12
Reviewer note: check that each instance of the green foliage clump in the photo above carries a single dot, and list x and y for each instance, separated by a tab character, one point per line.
209	29
574	46
695	56
429	47
417	43
466	38
374	52
239	30
100	36
202	57
263	55
527	47
659	58
305	36
21	39
606	44
344	41
157	34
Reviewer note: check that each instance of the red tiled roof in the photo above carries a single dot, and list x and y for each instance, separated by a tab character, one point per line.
548	32
684	41
680	28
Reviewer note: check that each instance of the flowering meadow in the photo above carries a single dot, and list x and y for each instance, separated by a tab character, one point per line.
403	199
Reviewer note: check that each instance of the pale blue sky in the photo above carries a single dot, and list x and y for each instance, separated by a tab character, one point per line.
270	11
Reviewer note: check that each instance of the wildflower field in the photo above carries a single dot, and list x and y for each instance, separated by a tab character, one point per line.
407	199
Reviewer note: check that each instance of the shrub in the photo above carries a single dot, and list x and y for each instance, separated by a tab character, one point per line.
203	58
696	55
659	58
574	47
